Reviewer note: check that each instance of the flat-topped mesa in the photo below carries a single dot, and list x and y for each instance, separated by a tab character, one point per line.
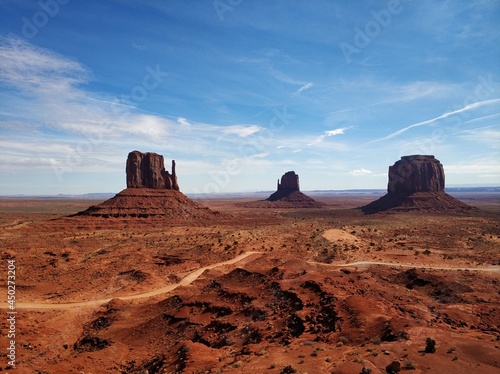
416	183
147	170
417	173
289	182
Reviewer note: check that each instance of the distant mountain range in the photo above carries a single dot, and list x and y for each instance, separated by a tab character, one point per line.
107	195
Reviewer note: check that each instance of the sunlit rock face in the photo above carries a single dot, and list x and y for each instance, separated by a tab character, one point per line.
416	173
147	170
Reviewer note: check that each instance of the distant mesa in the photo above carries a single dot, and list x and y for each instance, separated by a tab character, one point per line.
416	183
289	184
287	195
151	191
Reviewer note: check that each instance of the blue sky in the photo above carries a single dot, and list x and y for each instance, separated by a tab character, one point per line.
241	91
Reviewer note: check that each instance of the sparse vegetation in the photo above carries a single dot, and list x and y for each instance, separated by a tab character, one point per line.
242	310
408	365
430	345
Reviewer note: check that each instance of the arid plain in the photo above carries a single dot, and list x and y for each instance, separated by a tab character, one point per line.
322	290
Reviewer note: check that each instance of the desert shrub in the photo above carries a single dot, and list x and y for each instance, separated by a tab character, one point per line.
430	345
408	365
288	370
343	339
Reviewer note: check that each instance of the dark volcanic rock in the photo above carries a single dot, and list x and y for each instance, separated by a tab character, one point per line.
147	170
416	183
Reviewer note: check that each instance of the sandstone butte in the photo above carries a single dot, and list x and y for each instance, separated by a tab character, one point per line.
151	191
287	195
416	183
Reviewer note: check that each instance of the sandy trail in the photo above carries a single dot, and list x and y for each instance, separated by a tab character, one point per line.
194	275
368	263
187	280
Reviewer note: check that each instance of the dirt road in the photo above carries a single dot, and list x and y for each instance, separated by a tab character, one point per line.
368	263
194	275
187	280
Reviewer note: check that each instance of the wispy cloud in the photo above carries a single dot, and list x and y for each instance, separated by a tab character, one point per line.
361	172
339	131
489	135
328	133
242	131
39	71
65	121
435	119
303	88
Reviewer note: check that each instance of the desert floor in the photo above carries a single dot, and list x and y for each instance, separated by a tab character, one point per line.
323	290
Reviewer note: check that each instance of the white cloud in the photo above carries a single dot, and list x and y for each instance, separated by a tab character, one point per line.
303	88
241	130
36	70
328	133
360	172
486	135
182	121
339	131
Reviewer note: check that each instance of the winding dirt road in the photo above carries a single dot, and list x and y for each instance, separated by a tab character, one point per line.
368	263
194	275
187	280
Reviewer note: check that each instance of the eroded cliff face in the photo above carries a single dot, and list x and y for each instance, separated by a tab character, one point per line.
147	170
417	173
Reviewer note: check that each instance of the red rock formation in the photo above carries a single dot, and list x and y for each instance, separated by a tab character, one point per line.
151	203
289	182
147	170
416	183
151	192
416	174
287	195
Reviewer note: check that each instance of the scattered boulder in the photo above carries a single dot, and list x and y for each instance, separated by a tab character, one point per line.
393	367
416	183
